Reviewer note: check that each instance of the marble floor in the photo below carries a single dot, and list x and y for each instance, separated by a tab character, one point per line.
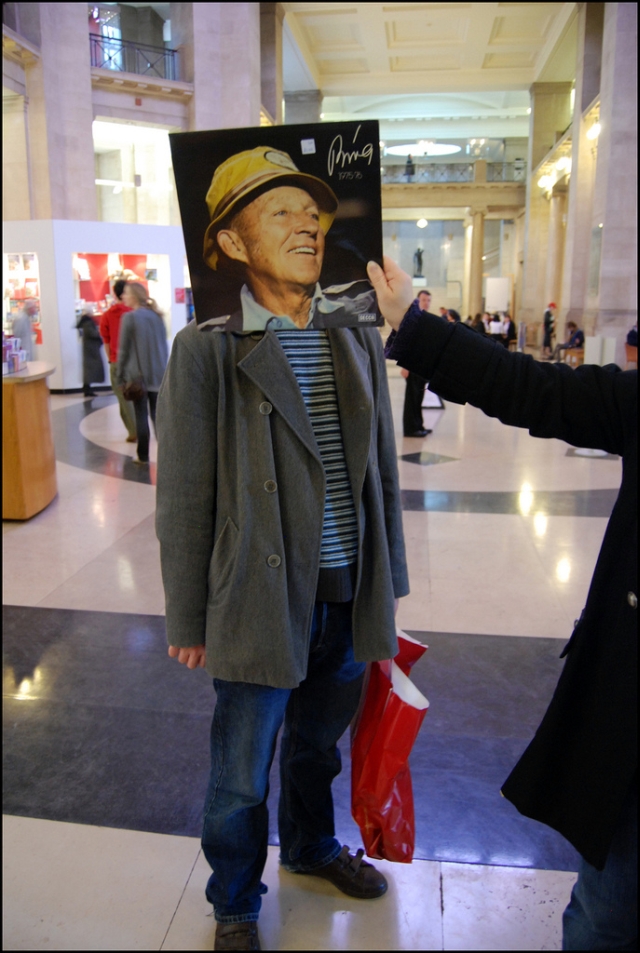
105	738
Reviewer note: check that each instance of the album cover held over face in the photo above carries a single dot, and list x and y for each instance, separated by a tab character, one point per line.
279	224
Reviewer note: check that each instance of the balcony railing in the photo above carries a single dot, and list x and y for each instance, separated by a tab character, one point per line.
127	57
506	171
433	172
429	172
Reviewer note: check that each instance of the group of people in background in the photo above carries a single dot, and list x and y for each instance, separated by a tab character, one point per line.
500	327
133	332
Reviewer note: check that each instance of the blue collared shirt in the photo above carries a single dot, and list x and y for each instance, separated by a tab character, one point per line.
257	318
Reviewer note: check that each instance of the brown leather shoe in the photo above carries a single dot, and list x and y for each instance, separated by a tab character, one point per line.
352	875
237	936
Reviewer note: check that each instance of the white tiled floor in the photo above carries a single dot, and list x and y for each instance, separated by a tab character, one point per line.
72	887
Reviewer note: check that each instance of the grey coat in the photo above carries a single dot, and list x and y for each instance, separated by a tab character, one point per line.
239	560
150	335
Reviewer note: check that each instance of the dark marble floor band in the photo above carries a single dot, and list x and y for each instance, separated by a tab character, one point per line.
100	727
550	502
73	448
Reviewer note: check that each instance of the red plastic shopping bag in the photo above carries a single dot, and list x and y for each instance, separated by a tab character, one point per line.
386	727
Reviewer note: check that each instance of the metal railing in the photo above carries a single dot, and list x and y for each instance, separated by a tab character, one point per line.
433	172
127	57
506	171
429	172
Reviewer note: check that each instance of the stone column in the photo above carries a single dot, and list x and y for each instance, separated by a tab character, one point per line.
304	106
583	166
475	269
219	45
550	118
466	269
555	249
16	201
615	192
60	115
271	20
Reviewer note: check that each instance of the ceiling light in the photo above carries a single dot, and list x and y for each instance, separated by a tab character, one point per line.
600	224
423	148
422	223
545	182
563	163
594	132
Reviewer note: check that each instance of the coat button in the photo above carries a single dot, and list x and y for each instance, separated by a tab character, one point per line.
632	599
274	561
265	407
271	486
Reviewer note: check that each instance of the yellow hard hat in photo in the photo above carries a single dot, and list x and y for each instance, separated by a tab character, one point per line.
247	171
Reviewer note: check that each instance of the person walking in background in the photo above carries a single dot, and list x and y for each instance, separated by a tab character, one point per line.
92	366
110	331
548	324
412	423
478	324
510	330
579	773
575	340
453	316
22	327
142	356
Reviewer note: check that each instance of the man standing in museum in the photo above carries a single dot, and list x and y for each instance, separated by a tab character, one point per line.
412	423
110	332
280	528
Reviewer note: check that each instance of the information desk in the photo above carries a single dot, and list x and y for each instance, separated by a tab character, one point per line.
28	456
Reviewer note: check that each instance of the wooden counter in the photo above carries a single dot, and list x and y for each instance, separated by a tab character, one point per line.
28	455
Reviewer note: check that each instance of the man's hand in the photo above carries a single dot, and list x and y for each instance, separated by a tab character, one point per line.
192	657
393	288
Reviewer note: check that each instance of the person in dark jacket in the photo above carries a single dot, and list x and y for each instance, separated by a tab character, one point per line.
579	773
92	366
142	354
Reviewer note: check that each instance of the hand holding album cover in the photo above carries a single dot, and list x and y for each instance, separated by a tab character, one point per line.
279	224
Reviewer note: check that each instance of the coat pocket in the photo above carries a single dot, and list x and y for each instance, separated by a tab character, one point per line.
223	561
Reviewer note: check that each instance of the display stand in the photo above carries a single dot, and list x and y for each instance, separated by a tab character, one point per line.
28	456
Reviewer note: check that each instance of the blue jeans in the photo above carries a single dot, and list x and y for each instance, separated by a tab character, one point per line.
245	726
603	911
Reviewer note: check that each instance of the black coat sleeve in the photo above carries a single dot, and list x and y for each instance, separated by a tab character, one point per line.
589	406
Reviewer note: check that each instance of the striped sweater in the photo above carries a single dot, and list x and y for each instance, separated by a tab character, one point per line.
309	354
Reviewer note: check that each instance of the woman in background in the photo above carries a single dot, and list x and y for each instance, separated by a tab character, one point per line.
142	355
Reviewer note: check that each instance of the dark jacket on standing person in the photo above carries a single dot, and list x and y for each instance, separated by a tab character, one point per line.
142	348
577	771
92	366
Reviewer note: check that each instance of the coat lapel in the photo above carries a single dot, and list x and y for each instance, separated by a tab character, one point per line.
267	367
